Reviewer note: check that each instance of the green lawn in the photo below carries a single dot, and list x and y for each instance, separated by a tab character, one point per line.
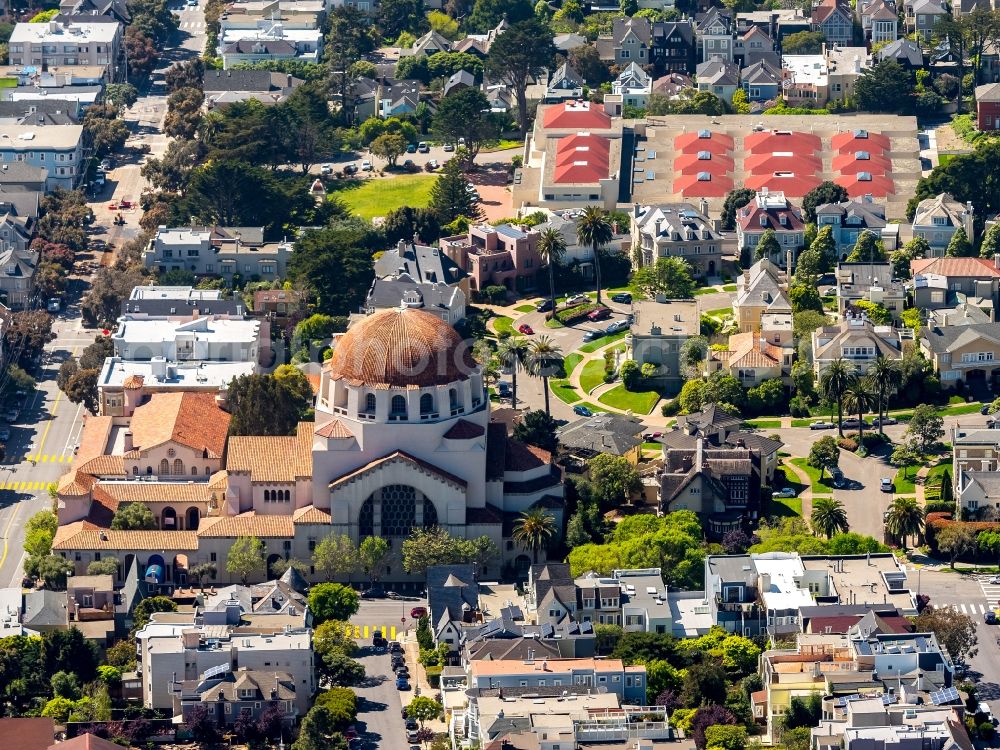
592	375
943	159
784	506
962	409
553	324
764	424
570	363
819	488
563	391
719	312
802	422
502	145
937	471
903	481
378	196
705	290
525	308
502	324
729	288
8	83
596	344
640	402
652	446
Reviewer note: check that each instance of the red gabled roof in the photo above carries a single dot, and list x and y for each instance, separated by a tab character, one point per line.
691	164
692	143
879	185
582	159
576	116
790	183
690	186
769	141
748	217
767	163
849	163
956	267
848	141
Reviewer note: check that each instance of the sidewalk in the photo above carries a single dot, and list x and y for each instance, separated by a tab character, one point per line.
806	495
418	679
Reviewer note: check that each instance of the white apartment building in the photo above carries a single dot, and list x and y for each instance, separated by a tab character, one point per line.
218	251
174	647
62	43
58	149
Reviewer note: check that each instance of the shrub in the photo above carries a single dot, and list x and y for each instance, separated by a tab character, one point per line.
630	373
986	731
434	676
670	408
577	314
495	294
872	440
798	407
848	444
939	506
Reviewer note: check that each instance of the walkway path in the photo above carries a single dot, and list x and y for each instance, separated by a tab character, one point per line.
802	478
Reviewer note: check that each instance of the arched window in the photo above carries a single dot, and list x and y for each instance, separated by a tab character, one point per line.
398	407
164	468
453	398
135	471
194	471
178	466
267	496
426	404
370	403
208	471
288	496
149	471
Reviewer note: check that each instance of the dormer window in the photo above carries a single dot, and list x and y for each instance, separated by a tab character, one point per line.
862	155
865	176
704	177
784	220
763	221
704	155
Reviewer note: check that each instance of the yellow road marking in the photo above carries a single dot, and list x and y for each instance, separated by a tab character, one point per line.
52	418
6	534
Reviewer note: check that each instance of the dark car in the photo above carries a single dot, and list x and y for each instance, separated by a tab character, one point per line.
544	306
395	648
601	313
991	617
411	736
623	298
411	725
412	148
373	594
985	409
838	477
402	683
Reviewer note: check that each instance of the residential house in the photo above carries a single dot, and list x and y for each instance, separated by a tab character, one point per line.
849	219
988	107
760	291
975	449
963	354
443	300
904	51
90	606
628	42
221	252
659	329
19	176
879	20
67	41
715	33
17	266
587	437
677	230
564	83
58	150
569	41
224	87
672	48
503	255
751	358
460	79
936	220
281	305
842	619
879	719
805	80
673	85
753	45
44	612
978	491
761	81
945	282
844	66
422	263
232	696
581	256
771	210
857	341
835	19
922	17
38	733
396	97
39	112
628	683
428	44
633	85
268	41
777	23
116	9
871	282
718	77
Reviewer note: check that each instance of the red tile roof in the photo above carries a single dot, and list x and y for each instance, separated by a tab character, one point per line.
582	159
849	163
690	164
748	218
576	116
191	419
769	141
524	457
692	143
463	429
848	141
690	186
956	267
782	161
879	185
790	183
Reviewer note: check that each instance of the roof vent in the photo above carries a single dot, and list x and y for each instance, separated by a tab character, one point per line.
704	177
862	155
704	133
704	155
860	133
865	176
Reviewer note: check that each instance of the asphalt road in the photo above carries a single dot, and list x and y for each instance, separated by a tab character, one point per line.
386	614
380	723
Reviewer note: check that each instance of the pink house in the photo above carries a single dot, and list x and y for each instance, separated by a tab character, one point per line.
496	256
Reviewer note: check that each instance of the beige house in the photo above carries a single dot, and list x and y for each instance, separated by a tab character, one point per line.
760	290
969	354
858	342
751	358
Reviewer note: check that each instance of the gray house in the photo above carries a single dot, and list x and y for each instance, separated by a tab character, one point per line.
719	77
849	219
443	300
658	331
761	81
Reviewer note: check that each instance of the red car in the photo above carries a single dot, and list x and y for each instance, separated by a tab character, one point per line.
599	314
418	612
525	329
126	204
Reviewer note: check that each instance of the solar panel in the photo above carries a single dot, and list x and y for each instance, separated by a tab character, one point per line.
945	695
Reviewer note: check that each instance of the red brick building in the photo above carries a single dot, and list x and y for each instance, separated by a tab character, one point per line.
988	107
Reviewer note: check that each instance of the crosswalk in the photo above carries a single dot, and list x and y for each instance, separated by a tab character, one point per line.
990	590
365	631
193	25
50	458
24	486
971	609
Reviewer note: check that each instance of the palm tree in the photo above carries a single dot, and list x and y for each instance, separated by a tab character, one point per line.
836	378
828	516
595	230
511	353
859	399
533	529
545	359
905	518
883	378
551	247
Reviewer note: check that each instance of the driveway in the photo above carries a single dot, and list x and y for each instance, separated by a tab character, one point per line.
379	723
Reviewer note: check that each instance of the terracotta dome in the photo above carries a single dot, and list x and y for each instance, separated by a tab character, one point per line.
400	348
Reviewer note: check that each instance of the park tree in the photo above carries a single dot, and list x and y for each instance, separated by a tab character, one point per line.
884	87
925	429
465	113
826	192
955	540
245	557
519	55
333	601
537	428
828	516
335	262
405	223
954	630
389	147
959	245
803	43
613	479
670	277
735	199
767	246
336	555
27	332
133	517
450	197
824	454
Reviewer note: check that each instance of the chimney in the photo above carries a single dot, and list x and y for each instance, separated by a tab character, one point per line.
789	257
703	207
944	320
996	261
128	441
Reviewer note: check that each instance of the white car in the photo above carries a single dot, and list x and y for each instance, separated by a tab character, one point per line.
577	299
326	169
433	164
366	166
821	426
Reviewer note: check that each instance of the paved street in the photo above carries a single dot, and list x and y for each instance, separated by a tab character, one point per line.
379	723
392	617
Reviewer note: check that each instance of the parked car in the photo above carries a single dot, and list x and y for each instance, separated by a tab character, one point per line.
651	436
351	169
4	434
985	409
366	166
544	306
423	148
838	477
592	335
601	313
995	581
525	329
418	612
11	415
885	485
449	147
107	165
821	425
617	327
623	298
990	617
577	299
984	709
784	492
411	725
411	148
884	421
433	164
53	305
408	164
325	169
503	389
395	648
373	594
402	684
582	410
411	735
852	422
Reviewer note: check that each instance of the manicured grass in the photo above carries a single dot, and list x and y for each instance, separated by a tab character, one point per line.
937	471
729	288
8	83
525	308
705	290
719	312
570	363
553	324
592	375
819	488
652	446
502	324
596	344
943	159
764	424
640	402
377	197
784	506
955	400
903	481
962	409
802	422
502	145
563	391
